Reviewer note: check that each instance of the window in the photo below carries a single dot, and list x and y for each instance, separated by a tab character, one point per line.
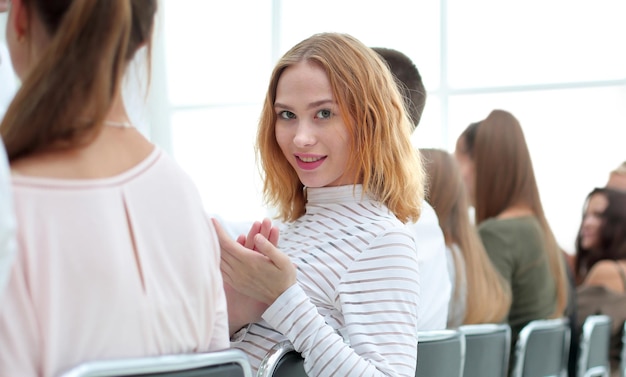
558	66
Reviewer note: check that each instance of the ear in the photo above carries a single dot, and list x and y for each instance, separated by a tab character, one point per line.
4	6
18	19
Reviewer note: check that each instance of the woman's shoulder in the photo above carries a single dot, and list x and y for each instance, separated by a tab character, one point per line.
521	226
606	273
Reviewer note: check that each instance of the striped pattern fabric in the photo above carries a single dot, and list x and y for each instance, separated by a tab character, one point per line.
354	309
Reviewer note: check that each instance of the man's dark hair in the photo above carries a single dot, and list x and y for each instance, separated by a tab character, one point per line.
410	81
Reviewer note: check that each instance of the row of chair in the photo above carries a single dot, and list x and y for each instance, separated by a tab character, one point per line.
542	349
469	351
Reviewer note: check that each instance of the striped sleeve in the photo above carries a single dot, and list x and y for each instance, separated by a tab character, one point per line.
379	297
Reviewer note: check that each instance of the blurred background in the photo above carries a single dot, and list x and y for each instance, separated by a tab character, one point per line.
559	66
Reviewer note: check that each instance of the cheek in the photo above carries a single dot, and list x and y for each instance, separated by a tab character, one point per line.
283	139
18	57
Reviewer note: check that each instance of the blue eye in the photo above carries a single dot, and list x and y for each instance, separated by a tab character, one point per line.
286	115
324	114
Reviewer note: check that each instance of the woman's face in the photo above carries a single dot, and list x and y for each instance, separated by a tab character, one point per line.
309	128
16	41
592	221
466	166
25	36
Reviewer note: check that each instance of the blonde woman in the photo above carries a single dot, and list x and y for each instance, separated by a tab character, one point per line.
480	294
334	145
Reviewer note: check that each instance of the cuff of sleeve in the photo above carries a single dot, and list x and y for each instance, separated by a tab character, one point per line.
292	295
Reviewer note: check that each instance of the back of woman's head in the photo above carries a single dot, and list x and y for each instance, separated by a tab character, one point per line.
67	92
372	109
488	296
505	178
445	191
504	170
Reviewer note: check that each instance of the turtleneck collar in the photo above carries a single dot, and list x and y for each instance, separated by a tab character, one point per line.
335	194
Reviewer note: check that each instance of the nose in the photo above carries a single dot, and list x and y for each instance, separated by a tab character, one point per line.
305	135
588	222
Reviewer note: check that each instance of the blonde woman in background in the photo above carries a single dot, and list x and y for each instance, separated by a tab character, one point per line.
480	294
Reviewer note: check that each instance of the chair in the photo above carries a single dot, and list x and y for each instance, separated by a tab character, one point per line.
440	353
224	363
487	350
542	349
282	360
623	353
595	341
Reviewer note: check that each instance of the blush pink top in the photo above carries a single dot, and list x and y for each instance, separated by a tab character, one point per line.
126	266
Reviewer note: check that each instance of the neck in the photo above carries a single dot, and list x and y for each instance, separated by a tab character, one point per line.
516	211
117	115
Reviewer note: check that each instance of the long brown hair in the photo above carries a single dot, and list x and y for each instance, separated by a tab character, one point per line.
373	110
505	177
68	91
611	235
488	294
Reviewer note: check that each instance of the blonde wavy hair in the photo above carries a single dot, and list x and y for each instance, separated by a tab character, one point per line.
387	164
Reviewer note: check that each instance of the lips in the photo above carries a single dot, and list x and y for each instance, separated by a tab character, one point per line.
309	162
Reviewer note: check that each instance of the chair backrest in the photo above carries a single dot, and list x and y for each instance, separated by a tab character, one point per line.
282	360
440	353
487	350
623	354
595	342
224	363
542	349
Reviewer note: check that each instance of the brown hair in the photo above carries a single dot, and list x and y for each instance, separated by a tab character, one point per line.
408	79
612	233
505	178
488	294
67	93
385	160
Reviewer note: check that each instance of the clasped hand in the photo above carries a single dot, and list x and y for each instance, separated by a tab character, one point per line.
253	266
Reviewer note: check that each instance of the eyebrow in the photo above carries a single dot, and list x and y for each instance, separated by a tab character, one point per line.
311	105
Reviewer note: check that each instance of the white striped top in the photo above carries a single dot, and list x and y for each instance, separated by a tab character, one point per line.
354	309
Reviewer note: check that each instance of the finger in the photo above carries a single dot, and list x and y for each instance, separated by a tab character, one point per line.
273	236
266	227
254	230
241	239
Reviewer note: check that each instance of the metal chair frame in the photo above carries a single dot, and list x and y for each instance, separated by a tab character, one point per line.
591	325
167	365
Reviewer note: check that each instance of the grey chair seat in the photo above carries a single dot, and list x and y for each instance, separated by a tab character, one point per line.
542	349
487	350
440	353
225	363
595	342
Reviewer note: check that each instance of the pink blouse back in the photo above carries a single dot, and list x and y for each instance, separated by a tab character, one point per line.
126	266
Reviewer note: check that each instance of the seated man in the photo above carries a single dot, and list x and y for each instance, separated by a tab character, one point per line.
435	289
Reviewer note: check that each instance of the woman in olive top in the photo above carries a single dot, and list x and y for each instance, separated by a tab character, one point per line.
498	172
